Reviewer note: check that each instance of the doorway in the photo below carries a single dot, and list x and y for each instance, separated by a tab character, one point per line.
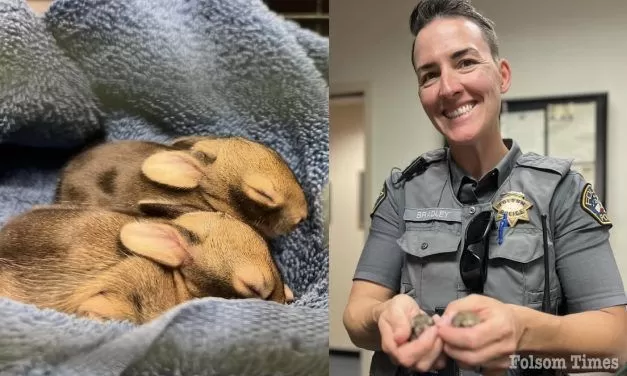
347	138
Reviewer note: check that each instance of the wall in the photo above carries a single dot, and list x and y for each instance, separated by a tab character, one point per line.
558	47
346	239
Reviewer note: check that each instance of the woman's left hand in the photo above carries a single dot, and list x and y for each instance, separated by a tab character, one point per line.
489	344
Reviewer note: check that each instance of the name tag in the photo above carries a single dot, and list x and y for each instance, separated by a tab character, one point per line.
433	214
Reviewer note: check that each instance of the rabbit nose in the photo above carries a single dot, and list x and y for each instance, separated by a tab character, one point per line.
289	294
296	221
250	282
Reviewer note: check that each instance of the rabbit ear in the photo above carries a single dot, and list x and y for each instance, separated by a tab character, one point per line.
261	190
159	242
173	168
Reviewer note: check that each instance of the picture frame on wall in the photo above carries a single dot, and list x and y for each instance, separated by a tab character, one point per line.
572	127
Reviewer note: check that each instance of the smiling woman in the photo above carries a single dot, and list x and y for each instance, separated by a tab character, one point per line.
461	83
514	240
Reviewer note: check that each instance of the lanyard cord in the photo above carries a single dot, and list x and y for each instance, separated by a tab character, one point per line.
546	301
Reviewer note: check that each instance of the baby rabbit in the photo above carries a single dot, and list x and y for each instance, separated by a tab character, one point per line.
231	174
110	265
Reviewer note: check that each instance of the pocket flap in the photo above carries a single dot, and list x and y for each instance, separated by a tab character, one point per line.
427	243
519	245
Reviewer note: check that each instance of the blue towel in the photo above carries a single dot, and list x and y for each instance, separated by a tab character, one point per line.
90	71
195	338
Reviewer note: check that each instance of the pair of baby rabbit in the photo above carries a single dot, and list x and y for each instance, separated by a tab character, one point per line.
139	227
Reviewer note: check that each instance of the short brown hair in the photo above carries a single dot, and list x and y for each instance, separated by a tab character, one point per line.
428	10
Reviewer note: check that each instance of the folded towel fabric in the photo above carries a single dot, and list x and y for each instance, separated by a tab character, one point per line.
91	71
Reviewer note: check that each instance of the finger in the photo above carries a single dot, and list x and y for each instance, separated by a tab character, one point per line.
388	344
410	353
479	356
400	320
472	302
399	324
437	320
476	337
445	320
429	359
441	359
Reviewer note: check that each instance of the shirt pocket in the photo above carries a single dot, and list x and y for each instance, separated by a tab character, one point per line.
516	267
430	270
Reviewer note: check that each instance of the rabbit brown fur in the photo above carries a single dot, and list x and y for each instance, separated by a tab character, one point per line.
231	174
106	264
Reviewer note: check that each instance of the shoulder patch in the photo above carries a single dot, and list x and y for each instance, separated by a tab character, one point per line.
591	204
382	194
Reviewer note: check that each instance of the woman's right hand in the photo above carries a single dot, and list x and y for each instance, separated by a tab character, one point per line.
422	354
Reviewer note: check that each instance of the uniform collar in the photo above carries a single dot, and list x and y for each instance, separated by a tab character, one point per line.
493	179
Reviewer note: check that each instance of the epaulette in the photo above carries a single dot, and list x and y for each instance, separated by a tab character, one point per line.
546	163
419	165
